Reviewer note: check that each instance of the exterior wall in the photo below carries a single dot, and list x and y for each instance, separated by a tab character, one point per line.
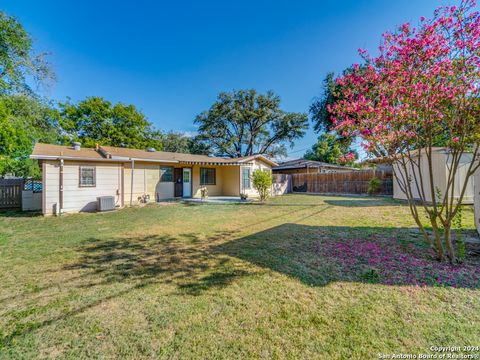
440	164
255	165
146	181
476	204
114	179
107	183
50	186
231	181
213	190
76	198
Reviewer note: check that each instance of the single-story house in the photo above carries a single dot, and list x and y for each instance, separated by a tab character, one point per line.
441	164
303	166
73	177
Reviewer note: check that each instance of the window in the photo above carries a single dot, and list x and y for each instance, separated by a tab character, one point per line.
246	184
166	174
87	176
186	176
207	176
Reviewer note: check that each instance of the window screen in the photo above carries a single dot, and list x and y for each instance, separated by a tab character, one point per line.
87	176
207	176
246	184
166	174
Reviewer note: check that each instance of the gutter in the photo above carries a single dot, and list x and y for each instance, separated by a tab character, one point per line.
113	159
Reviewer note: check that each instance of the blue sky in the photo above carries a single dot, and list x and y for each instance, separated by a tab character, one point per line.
172	58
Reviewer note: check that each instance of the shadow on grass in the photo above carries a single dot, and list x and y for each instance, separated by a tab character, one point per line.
117	267
319	255
18	214
363	202
193	264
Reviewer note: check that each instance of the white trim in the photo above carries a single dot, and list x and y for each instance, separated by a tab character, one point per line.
115	159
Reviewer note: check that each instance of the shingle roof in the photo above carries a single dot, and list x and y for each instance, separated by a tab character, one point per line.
110	153
50	150
303	163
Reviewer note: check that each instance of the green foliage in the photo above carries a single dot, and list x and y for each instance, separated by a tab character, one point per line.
321	118
18	62
244	122
178	142
370	275
24	120
374	185
262	182
330	148
96	120
457	223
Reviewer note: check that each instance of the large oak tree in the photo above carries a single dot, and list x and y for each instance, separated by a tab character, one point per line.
244	122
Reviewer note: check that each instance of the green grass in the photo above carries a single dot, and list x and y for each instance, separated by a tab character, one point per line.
220	281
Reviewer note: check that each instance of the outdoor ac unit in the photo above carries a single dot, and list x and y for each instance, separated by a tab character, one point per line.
105	203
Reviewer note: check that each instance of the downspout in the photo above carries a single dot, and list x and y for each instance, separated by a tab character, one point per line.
60	188
131	183
122	177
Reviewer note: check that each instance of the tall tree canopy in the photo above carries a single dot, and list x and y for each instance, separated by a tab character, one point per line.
244	122
18	61
321	117
332	149
24	120
179	142
96	120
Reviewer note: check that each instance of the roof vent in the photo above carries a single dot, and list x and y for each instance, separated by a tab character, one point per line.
151	150
76	146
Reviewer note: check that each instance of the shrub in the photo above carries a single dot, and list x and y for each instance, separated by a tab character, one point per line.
262	182
374	185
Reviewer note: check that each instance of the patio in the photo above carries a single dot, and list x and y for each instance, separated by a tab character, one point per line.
218	200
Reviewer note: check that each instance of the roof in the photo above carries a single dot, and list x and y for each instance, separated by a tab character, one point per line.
303	163
110	153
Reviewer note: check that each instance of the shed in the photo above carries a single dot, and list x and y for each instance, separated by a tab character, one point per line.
441	163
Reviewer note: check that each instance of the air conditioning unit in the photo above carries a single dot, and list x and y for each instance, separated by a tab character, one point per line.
105	203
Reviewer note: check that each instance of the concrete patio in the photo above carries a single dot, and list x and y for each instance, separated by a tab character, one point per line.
218	200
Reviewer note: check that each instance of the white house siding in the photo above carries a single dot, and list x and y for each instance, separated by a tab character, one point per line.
108	183
51	183
441	166
254	165
77	198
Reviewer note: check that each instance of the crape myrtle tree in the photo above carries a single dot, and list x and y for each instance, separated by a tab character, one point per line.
423	86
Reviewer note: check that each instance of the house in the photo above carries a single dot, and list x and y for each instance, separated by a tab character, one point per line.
303	166
441	164
73	177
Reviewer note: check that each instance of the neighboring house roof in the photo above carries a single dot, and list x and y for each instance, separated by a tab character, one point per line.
303	163
110	153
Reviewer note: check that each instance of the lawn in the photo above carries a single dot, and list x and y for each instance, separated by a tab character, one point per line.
301	277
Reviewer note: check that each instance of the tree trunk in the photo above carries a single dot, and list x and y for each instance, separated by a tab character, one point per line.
449	245
438	240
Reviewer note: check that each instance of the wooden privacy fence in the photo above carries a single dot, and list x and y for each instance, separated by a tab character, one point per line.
351	182
11	193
